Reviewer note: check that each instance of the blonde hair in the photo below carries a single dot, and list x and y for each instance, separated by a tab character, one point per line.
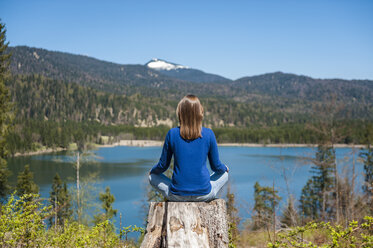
190	114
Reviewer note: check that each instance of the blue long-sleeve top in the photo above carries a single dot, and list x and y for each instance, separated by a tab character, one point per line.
190	176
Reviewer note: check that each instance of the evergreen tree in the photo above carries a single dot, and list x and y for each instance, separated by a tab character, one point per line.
6	115
309	204
60	201
234	220
25	183
4	174
318	195
367	158
266	200
107	200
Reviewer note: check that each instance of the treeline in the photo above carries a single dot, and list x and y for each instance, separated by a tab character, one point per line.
41	98
31	135
353	132
53	113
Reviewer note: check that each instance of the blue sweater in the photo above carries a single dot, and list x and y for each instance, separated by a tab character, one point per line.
190	176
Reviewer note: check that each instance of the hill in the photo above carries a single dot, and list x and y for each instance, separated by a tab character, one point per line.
60	88
130	79
295	86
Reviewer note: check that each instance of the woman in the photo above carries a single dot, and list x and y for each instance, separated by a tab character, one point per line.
191	144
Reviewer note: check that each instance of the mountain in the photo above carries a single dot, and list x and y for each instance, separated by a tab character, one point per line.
103	75
62	98
87	71
184	72
272	92
279	84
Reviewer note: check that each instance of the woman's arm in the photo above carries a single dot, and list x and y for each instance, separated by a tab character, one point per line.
213	155
164	161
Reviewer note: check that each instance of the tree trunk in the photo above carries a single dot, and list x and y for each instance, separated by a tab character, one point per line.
187	224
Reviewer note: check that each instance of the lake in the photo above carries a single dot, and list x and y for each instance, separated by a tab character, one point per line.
124	169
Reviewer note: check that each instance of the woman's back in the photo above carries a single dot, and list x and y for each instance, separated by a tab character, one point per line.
191	176
191	145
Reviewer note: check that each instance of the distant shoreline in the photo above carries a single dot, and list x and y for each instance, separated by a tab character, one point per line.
48	150
149	143
157	143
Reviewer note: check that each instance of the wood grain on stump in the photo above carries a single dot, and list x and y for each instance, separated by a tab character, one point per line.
187	224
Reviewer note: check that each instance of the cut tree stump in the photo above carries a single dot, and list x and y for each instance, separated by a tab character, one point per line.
187	224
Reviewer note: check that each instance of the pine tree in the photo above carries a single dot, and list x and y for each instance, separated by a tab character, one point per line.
4	174
234	220
309	204
6	115
25	183
266	200
367	158
107	200
318	195
60	201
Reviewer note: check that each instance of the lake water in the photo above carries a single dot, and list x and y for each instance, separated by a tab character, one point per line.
125	170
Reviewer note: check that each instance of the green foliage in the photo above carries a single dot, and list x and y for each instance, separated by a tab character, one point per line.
21	222
309	204
233	219
367	158
318	195
128	229
266	200
4	174
60	201
6	115
22	225
25	183
107	200
355	235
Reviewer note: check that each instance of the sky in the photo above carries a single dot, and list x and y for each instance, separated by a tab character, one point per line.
321	39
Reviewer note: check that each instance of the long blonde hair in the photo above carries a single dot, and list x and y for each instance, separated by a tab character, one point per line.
190	114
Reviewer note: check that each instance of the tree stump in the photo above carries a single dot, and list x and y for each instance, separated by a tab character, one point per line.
187	224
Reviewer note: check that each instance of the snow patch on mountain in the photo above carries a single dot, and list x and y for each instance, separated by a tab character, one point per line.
158	64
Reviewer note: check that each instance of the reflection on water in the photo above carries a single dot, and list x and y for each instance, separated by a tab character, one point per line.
125	170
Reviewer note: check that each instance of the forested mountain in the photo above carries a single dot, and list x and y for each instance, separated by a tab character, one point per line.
282	92
53	88
85	70
41	98
295	86
130	79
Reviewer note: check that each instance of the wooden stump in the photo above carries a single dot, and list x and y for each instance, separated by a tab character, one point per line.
187	224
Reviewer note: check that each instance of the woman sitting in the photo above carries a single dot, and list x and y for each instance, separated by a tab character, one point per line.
191	145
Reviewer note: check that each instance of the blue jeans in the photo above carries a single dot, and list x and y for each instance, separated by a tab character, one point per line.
162	184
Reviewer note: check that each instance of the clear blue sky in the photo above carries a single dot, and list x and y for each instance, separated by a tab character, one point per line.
323	39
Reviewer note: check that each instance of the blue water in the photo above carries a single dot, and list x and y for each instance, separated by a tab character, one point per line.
125	170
